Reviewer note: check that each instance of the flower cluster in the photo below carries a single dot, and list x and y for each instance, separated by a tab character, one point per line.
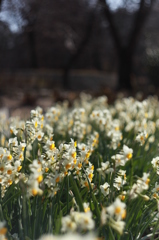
78	221
88	160
11	163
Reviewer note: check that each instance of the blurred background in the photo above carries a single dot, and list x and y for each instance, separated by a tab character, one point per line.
53	49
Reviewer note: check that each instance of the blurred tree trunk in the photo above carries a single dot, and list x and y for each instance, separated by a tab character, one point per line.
74	56
30	17
126	52
124	69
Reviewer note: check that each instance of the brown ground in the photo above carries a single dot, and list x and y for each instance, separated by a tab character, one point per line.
22	91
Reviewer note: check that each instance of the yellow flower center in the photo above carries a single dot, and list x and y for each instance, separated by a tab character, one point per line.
74	154
9	157
117	210
57	179
68	166
86	221
92	167
90	176
147	181
52	146
123	197
36	124
3	231
23	149
11	131
129	155
87	209
10	182
21	156
79	165
88	154
39	136
1	169
9	171
34	192
155	195
19	168
141	138
40	178
86	184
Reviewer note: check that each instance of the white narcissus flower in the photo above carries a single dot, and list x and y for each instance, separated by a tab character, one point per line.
141	185
155	191
127	152
155	164
78	220
144	181
13	130
13	142
117	225
119	182
86	207
84	220
119	160
117	209
105	189
141	137
33	188
68	224
105	168
39	135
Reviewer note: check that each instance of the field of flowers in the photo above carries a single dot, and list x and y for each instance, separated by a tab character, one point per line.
87	171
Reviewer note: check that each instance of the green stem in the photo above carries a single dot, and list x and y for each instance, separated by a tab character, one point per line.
24	215
67	194
34	217
50	219
112	235
131	172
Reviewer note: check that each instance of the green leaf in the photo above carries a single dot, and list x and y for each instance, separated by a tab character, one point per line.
76	193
